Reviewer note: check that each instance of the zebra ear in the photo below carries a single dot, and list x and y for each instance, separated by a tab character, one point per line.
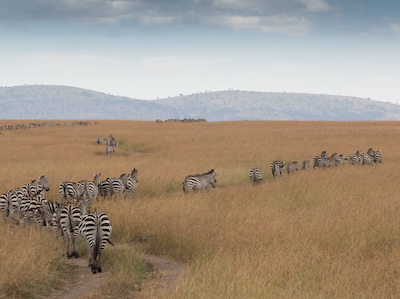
45	177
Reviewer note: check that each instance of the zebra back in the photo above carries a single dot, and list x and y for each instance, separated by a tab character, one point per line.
255	175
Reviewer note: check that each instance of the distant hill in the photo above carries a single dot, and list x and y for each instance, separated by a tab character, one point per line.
62	102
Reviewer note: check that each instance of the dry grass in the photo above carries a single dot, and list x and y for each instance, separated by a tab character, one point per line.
314	234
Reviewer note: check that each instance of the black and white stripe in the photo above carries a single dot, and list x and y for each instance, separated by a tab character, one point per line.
305	165
95	229
278	168
291	167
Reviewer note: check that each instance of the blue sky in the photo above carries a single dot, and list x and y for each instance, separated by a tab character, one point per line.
155	49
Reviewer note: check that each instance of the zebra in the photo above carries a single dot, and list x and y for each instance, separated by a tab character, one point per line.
104	188
90	189
291	167
110	149
305	165
115	186
70	191
200	181
341	160
130	183
255	175
324	155
70	217
278	168
34	186
98	140
318	161
9	206
367	159
95	229
44	214
378	156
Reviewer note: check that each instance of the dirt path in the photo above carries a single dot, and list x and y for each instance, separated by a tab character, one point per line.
169	274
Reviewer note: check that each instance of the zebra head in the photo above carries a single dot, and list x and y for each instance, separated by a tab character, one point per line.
214	177
42	180
134	174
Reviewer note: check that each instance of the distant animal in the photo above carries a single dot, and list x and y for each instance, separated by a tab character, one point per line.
255	175
110	149
200	181
278	168
98	140
305	165
291	167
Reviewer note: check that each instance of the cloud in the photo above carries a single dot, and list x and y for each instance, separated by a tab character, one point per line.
181	61
316	5
395	28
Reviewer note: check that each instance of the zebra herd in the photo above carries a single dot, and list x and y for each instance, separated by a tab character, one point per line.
110	144
72	218
279	168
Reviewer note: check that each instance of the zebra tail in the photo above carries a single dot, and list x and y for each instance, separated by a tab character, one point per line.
111	243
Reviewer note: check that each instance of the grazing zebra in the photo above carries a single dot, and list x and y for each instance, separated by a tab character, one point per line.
291	167
44	214
200	181
95	229
70	217
255	175
9	206
305	165
278	168
70	191
110	149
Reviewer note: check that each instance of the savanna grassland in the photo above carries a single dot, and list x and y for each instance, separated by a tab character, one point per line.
331	233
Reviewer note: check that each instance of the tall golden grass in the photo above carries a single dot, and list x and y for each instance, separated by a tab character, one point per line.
313	234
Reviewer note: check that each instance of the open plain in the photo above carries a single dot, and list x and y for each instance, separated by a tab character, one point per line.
332	233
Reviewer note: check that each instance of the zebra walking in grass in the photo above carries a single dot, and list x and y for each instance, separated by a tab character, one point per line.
70	217
90	189
44	214
291	167
104	188
70	191
110	149
9	205
130	183
278	168
116	186
305	165
200	181
378	156
95	229
38	185
318	161
367	159
255	175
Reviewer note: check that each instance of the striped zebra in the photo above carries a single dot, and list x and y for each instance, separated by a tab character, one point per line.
278	168
116	186
378	156
318	161
200	181
305	165
110	149
70	191
98	140
35	188
70	217
95	229
255	175
90	189
324	155
367	159
9	206
291	167
44	214
104	188
130	183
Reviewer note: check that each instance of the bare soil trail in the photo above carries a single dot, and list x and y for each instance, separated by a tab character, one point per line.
169	273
